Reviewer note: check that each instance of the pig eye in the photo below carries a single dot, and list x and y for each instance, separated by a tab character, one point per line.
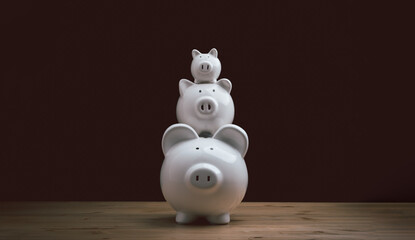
197	148
200	90
213	90
200	56
211	148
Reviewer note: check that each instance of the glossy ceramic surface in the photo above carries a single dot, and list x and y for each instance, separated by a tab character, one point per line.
204	177
205	107
206	67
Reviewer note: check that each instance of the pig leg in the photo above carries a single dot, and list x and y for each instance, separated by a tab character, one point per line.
219	219
184	218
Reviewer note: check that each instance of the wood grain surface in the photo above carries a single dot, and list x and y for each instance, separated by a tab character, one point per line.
251	220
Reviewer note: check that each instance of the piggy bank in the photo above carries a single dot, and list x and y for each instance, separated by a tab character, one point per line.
204	177
205	68
205	107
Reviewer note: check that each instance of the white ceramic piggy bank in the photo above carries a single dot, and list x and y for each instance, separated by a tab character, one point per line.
204	177
205	107
205	68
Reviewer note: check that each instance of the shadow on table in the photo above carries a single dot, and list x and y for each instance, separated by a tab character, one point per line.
169	221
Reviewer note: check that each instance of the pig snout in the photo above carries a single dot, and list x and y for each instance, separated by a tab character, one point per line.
207	106
204	176
205	67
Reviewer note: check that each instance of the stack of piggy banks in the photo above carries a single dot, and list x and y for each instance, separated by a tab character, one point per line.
204	172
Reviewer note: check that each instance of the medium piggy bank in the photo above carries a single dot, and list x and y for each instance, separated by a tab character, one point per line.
205	107
205	68
204	177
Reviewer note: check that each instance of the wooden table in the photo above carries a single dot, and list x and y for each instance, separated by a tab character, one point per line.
253	220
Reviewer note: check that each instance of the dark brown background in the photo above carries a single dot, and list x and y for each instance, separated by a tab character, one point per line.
321	87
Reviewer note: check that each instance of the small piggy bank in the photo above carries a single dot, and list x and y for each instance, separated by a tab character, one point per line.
205	68
205	107
204	177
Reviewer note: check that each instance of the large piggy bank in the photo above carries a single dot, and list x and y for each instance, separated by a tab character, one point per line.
204	177
205	107
205	68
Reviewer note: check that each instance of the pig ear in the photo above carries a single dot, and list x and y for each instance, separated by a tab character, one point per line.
195	53
183	85
234	136
226	84
177	133
213	52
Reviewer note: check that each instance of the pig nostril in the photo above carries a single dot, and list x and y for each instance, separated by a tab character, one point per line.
206	107
207	67
203	175
197	148
202	66
200	90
